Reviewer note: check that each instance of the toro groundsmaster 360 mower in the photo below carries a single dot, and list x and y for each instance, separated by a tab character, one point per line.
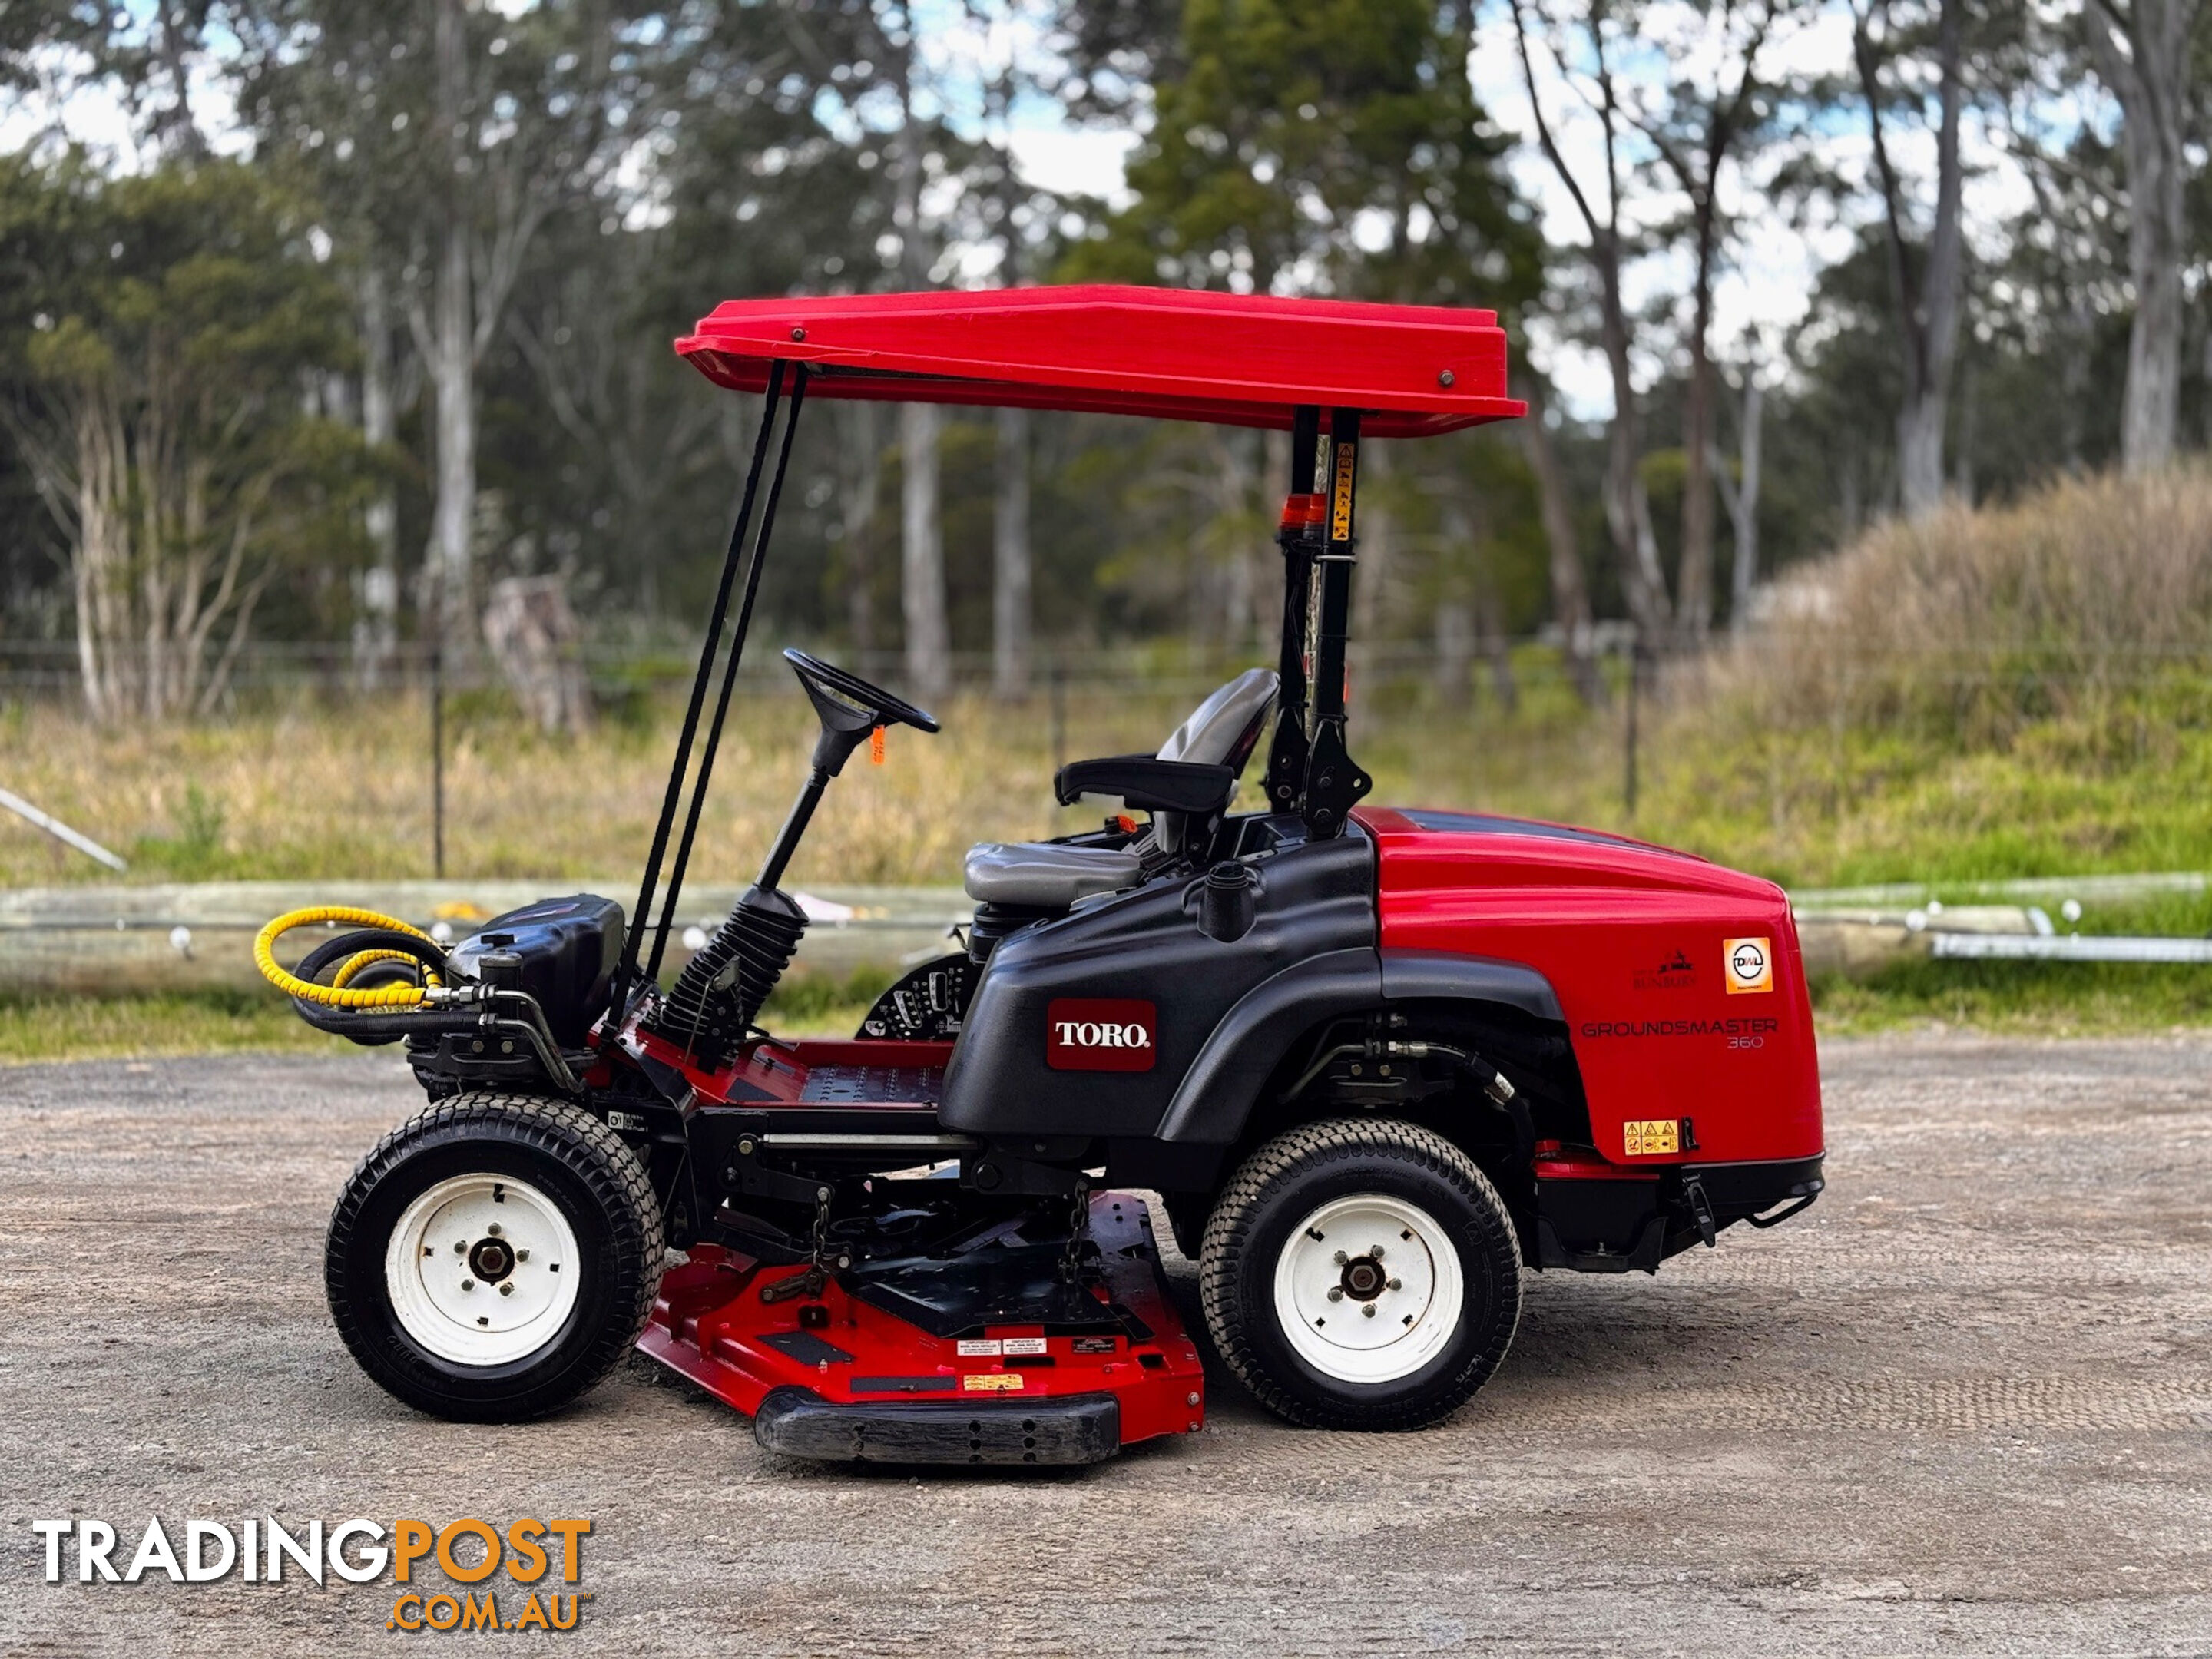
1377	1061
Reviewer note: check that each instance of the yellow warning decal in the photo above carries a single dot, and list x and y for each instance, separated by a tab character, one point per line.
1340	529
988	1381
1646	1136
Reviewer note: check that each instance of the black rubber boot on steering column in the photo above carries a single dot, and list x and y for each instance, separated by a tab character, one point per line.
718	995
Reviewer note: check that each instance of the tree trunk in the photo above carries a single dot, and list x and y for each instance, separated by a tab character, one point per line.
1926	302
1498	651
1010	558
534	637
1694	582
2142	51
376	631
1455	649
921	534
863	461
1628	507
1570	592
452	361
921	566
1920	452
1743	501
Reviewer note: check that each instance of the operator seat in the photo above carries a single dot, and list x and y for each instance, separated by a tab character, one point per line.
1044	875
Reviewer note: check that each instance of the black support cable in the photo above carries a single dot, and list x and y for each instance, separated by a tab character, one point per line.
626	972
729	672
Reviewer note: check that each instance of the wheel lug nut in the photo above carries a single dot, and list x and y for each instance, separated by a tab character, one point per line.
1341	1258
494	1230
522	1255
1368	1308
468	1283
507	1289
1336	1292
1397	1285
460	1246
1374	1251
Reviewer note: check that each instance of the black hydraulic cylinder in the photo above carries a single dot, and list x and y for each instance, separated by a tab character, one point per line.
1333	784
1286	752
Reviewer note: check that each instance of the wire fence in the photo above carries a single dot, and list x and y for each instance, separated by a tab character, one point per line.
51	672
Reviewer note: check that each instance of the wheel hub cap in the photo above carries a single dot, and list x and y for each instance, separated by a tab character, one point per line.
1369	1288
482	1270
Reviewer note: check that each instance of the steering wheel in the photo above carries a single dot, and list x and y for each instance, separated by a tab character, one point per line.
880	706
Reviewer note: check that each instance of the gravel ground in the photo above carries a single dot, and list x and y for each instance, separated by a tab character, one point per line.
1959	1407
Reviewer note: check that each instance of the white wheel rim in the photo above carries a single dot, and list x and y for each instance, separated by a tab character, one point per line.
482	1270
1414	1287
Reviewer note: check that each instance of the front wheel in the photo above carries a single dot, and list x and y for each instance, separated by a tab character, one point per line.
493	1257
1361	1275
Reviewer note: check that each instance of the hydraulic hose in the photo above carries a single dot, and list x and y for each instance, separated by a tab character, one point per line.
338	994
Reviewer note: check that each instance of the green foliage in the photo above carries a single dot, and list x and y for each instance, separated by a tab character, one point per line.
1329	145
162	347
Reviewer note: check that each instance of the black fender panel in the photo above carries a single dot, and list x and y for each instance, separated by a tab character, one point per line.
1218	1091
1223	1083
1420	975
1312	899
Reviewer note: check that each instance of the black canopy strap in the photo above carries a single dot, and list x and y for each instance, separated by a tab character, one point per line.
1333	784
729	672
626	972
1286	751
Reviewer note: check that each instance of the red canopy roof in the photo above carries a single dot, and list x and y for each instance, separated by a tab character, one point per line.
1172	354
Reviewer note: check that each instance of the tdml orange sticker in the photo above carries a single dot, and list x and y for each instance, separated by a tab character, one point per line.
1747	964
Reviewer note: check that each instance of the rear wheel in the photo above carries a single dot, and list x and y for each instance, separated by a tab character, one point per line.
493	1257
1361	1275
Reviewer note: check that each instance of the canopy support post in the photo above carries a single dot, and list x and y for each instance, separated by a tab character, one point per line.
1333	784
1299	537
729	674
634	936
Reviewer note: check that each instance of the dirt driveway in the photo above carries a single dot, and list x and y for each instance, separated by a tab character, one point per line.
1961	1406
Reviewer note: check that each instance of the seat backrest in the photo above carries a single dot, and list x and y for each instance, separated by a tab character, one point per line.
1222	731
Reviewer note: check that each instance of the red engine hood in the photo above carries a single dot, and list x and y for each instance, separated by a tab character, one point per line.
1681	982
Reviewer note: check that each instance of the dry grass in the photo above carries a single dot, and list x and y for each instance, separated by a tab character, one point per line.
2015	692
1976	624
309	793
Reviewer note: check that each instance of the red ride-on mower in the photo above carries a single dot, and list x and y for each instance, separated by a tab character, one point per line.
1378	1063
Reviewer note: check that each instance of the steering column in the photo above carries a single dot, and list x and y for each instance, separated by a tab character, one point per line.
720	992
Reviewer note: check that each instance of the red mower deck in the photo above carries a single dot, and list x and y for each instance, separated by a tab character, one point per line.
841	1377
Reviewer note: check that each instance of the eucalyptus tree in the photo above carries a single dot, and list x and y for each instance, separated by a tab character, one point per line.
449	133
2146	51
159	328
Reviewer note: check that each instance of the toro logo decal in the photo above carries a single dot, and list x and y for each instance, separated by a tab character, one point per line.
1749	964
1099	1034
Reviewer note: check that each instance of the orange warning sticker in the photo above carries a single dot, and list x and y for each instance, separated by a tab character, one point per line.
1348	456
991	1382
1646	1136
1747	964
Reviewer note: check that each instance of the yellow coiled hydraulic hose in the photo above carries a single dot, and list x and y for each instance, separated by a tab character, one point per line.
337	994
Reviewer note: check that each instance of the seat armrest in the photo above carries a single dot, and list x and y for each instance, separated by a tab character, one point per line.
1147	784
